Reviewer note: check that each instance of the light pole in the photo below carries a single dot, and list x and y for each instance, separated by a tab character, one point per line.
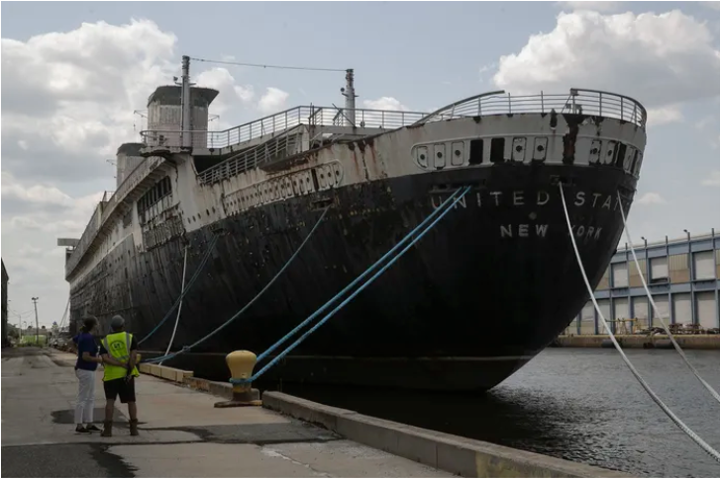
37	326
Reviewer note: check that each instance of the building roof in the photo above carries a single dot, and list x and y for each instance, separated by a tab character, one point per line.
170	95
5	276
676	240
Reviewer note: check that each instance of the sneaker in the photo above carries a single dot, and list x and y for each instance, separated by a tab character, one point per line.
81	428
92	428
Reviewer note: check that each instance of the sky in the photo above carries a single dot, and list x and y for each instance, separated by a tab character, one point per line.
76	78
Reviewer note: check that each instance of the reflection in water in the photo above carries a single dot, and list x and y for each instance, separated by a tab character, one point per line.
579	404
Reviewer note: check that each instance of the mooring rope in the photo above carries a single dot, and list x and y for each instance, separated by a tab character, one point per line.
657	312
177	319
347	288
190	284
444	208
698	440
252	301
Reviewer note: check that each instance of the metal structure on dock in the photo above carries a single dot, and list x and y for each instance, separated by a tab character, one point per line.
478	297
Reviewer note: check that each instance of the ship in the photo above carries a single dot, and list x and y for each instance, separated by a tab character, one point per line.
482	293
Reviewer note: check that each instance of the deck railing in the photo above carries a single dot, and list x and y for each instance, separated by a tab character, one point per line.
102	213
587	102
284	121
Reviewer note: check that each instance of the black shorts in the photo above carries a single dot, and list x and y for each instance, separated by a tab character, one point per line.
120	387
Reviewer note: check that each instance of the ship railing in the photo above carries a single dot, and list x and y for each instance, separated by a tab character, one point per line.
580	101
281	146
283	121
105	208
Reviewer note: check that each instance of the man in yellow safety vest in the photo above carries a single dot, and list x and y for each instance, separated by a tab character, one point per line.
119	352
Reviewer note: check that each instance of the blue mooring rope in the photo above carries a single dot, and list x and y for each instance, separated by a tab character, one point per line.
444	208
194	277
252	301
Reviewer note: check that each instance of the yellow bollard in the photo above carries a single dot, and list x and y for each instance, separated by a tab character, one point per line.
241	364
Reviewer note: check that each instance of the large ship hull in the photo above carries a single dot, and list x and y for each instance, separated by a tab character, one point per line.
483	292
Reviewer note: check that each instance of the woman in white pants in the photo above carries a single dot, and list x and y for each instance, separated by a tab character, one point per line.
85	367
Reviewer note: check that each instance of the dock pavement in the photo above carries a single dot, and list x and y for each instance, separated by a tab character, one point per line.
181	433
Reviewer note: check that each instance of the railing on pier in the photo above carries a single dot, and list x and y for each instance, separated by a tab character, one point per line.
286	120
581	101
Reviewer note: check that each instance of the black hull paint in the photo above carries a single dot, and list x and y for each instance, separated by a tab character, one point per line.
474	303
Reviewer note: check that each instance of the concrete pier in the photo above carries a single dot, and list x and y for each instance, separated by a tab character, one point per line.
183	435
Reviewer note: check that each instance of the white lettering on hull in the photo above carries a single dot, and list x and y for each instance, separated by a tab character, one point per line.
521	198
523	230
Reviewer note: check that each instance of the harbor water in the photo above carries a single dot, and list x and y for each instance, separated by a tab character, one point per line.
579	404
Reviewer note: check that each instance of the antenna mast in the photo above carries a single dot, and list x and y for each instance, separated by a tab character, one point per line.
349	94
185	103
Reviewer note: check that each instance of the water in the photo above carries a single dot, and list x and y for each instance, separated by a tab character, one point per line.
578	404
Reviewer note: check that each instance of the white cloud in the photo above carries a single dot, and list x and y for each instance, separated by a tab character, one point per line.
705	122
385	103
713	179
664	115
67	104
36	194
274	100
229	93
651	198
624	53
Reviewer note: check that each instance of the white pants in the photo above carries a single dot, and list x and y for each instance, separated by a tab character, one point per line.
86	396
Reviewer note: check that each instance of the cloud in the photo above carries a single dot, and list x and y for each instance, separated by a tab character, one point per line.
230	93
664	115
713	5
713	179
68	102
273	101
624	53
651	198
68	98
36	195
385	103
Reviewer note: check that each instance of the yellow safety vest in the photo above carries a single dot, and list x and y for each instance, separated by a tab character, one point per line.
117	345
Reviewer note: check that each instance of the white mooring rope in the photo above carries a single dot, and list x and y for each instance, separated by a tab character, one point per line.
698	440
177	319
657	312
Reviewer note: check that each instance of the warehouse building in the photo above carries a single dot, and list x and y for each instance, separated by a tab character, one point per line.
682	275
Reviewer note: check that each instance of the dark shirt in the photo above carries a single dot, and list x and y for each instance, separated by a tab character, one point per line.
85	343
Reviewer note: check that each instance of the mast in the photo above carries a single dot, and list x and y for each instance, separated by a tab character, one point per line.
186	126
349	94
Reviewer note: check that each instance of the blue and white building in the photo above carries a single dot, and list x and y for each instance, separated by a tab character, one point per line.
683	276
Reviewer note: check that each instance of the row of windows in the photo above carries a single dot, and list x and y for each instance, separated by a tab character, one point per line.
159	191
477	151
664	269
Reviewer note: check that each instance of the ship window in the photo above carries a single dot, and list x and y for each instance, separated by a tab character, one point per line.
421	154
476	151
458	153
497	150
540	148
620	155
634	161
439	150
